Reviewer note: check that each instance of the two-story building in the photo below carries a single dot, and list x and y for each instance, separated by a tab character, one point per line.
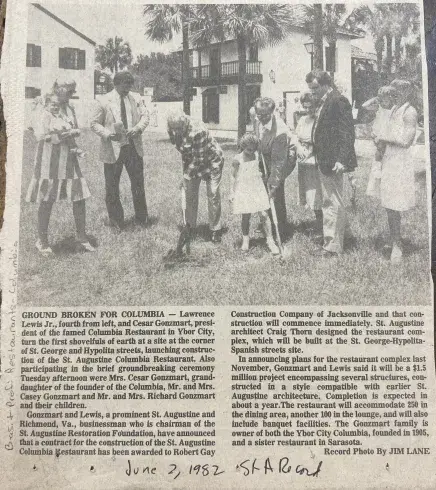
56	49
276	71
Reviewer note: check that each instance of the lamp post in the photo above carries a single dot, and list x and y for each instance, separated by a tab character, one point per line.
309	49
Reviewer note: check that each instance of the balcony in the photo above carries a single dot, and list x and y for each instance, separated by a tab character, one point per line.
225	74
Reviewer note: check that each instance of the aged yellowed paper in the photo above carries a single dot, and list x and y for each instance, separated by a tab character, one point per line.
216	248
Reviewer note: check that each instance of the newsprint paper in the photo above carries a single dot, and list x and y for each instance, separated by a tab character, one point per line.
215	253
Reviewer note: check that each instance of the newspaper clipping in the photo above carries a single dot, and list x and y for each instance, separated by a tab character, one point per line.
216	247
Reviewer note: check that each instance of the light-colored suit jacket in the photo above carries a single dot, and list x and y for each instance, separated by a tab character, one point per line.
274	149
105	113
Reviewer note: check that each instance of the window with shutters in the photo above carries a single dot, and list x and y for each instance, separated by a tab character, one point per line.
32	92
72	58
33	55
211	106
330	59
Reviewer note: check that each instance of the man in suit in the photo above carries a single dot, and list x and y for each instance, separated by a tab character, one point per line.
273	136
119	119
333	139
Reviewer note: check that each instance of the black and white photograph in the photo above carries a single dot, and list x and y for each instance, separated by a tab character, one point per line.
224	154
215	254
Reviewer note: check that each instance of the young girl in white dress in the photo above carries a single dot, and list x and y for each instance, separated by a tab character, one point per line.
248	192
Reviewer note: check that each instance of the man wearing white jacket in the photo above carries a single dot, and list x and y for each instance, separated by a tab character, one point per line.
119	119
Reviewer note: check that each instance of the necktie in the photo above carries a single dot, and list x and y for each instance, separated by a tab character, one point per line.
123	113
262	130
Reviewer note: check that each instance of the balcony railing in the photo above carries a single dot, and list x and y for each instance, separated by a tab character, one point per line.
228	69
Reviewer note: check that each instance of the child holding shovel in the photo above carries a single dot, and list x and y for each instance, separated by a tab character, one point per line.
248	193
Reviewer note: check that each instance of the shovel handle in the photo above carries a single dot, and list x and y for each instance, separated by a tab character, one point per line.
272	207
276	224
183	203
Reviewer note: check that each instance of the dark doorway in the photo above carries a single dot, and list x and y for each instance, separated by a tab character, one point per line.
211	105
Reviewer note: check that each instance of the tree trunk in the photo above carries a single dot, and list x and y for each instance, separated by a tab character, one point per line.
389	57
397	52
186	71
379	46
332	46
318	38
242	86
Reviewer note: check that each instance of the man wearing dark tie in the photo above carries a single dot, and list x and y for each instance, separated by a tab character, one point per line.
119	119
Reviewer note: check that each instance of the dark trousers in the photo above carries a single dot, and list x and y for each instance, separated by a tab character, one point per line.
280	205
112	174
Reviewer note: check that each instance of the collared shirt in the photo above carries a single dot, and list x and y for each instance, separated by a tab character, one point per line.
128	108
265	127
201	154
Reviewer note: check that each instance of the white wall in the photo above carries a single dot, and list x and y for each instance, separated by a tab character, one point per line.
51	35
228	108
289	60
163	110
343	75
197	104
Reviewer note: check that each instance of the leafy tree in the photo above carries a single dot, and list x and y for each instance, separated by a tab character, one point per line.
247	23
326	21
313	20
388	24
161	71
164	21
405	22
377	22
115	54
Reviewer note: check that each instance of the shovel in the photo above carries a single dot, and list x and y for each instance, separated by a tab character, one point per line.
276	226
184	241
181	255
185	234
273	213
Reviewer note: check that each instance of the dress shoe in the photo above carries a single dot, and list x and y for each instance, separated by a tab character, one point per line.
273	248
318	238
215	236
86	247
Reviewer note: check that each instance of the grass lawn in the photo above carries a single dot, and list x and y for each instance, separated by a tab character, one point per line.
127	268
